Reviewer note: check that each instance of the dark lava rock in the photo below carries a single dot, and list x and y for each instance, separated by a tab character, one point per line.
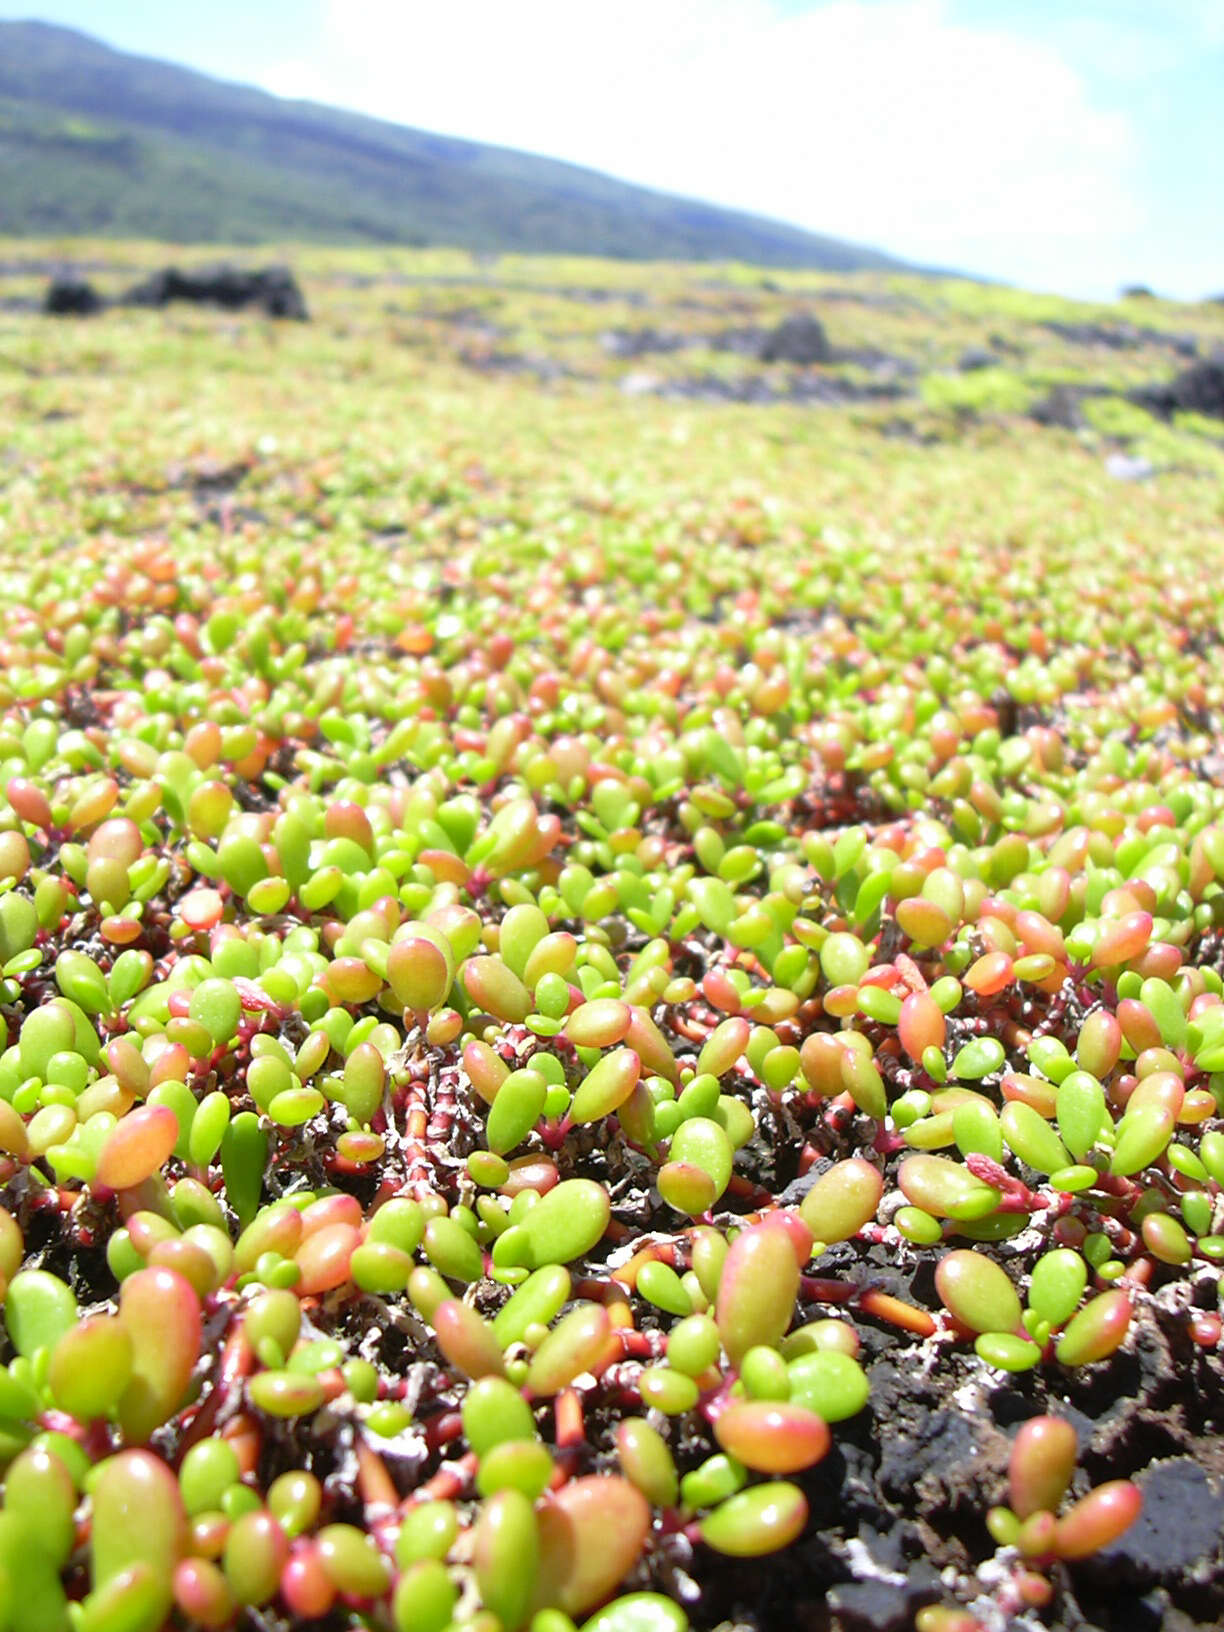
640	342
1121	337
876	1605
1178	1533
831	389
797	339
1196	390
976	357
1111	336
745	339
71	296
1004	344
273	288
544	369
799	1187
1060	408
933	1448
899	429
870	1606
885	365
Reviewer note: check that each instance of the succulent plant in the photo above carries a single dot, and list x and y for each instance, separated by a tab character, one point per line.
502	964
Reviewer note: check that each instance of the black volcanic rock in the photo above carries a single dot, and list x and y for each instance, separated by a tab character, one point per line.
273	288
1177	1533
640	342
1121	337
1200	390
1059	408
1197	390
798	339
1109	336
71	296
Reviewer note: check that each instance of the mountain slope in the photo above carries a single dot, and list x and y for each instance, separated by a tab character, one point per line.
95	141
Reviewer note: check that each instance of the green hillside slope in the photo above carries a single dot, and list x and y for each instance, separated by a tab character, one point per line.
96	141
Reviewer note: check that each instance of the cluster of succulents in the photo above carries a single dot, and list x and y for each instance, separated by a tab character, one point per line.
462	984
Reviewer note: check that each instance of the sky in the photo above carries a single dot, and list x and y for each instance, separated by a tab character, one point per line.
1065	145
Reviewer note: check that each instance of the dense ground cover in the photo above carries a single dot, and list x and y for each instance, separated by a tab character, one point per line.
611	956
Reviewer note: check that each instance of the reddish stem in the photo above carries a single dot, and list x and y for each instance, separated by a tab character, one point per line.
450	1481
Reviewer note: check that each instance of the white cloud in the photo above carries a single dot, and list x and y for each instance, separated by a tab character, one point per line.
299	82
889	123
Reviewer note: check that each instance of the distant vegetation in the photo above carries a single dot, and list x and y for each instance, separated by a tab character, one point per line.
96	141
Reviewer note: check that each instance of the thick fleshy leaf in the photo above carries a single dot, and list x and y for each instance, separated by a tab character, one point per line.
592	1532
